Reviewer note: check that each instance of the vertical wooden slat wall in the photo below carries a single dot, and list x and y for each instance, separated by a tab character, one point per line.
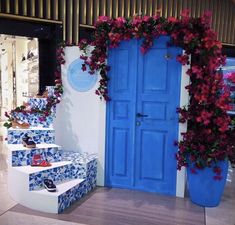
75	13
32	8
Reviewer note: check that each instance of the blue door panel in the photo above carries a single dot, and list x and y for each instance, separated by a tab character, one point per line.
121	83
157	99
154	70
151	168
120	148
139	150
120	110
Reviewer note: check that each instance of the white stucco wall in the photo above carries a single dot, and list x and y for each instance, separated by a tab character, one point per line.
184	99
81	119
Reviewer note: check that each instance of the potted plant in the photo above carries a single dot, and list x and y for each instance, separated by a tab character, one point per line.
208	144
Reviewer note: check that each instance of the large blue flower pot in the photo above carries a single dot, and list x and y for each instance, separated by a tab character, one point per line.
204	190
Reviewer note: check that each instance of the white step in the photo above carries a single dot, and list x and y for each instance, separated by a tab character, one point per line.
42	200
32	128
34	176
22	156
58	201
37	169
30	192
20	147
60	188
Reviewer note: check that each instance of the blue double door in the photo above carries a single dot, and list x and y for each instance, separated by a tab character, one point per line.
142	123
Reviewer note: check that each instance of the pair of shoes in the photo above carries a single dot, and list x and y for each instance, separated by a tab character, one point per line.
49	185
30	54
42	94
39	161
28	142
17	124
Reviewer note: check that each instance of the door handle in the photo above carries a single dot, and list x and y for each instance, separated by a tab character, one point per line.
141	115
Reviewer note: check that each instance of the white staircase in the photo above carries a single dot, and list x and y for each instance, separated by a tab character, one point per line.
73	173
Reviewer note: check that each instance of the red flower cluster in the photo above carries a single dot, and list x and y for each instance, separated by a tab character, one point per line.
232	77
217	171
207	138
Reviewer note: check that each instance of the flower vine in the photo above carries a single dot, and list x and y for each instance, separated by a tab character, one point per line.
52	100
207	138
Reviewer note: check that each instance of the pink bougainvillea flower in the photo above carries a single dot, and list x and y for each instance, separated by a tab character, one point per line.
83	67
217	177
136	20
41	119
143	50
231	77
227	75
120	21
6	114
172	19
183	59
206	18
146	18
193	170
103	18
185	16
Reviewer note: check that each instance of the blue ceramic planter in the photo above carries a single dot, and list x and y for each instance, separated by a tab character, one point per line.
204	190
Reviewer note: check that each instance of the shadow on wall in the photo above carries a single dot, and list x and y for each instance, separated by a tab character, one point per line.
65	126
80	117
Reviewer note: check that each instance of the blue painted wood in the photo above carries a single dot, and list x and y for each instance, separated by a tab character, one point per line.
120	111
150	85
204	190
158	97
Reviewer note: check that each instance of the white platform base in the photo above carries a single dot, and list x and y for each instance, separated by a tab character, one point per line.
40	200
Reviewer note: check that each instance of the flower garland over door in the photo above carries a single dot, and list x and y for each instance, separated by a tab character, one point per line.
207	138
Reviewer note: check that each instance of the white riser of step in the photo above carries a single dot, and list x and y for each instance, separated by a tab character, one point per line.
22	156
67	193
35	169
58	172
31	128
20	147
38	134
42	200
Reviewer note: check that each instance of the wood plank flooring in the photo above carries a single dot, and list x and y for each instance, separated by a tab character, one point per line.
126	207
224	213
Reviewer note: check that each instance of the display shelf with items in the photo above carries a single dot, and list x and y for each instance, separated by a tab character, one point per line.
33	77
27	69
229	79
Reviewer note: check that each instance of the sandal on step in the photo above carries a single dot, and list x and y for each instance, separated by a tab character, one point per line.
49	185
44	163
28	142
22	125
41	94
38	161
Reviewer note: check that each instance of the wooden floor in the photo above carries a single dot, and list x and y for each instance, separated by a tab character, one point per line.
224	214
125	207
120	207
